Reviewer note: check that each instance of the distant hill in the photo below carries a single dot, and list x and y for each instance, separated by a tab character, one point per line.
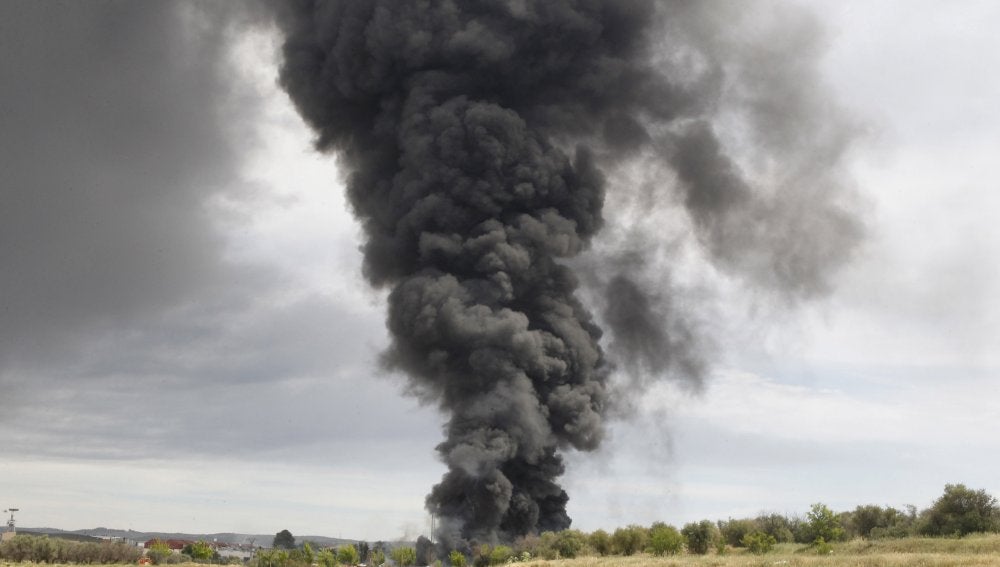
258	540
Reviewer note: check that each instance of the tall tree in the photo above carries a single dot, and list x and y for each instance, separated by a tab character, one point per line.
284	540
960	511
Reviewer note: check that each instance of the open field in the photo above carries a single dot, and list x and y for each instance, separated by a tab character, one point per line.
921	552
976	550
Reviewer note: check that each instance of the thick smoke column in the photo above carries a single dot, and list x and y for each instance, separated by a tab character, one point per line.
472	131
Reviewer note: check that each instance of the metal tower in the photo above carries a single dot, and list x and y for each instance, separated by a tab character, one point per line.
10	522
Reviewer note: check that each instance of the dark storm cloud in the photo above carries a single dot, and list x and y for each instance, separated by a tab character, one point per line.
474	133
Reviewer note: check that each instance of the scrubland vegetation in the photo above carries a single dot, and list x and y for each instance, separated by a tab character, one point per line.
960	528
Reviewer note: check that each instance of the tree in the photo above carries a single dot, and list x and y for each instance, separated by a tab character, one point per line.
961	511
347	554
758	542
700	537
456	558
569	543
426	554
665	540
734	530
501	554
600	542
627	541
158	552
199	550
403	556
283	540
363	549
823	523
326	558
776	526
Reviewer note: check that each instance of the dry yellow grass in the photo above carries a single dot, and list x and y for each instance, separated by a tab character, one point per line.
971	551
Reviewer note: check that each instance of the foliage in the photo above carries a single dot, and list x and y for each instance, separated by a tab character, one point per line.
501	554
481	555
823	524
200	551
363	550
665	540
326	558
272	558
822	547
24	547
733	531
700	537
600	542
777	526
403	556
570	543
283	540
158	552
629	540
456	558
961	511
348	554
758	542
875	522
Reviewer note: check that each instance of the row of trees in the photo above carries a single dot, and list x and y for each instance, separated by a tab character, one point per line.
43	549
958	512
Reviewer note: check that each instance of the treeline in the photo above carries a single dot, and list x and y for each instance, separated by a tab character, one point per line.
958	512
43	549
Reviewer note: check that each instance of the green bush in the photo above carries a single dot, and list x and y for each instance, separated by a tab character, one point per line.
501	554
456	558
822	523
665	540
961	511
600	542
348	555
630	540
758	543
822	547
700	537
403	556
733	530
570	543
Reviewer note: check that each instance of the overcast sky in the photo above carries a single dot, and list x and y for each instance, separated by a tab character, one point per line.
188	345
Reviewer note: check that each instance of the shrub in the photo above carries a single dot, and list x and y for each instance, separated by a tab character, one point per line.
777	526
823	523
733	530
822	547
627	541
501	554
961	511
158	552
347	554
456	558
570	543
403	556
758	542
700	537
665	540
600	542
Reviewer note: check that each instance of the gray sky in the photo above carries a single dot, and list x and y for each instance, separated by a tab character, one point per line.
188	344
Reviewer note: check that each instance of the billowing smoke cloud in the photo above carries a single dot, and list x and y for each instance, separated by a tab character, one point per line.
479	137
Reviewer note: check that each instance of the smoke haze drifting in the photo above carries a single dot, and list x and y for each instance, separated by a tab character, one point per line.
482	140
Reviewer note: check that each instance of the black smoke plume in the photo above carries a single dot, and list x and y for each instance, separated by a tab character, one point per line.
478	136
